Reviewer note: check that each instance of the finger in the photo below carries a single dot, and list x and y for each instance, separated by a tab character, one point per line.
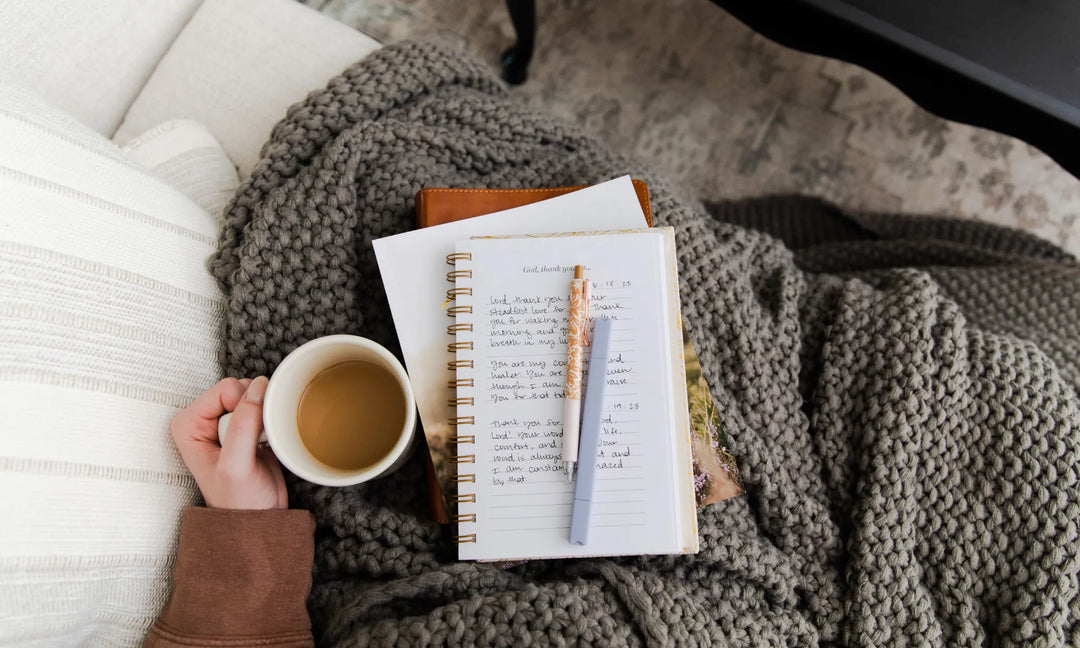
193	422
217	400
242	436
245	382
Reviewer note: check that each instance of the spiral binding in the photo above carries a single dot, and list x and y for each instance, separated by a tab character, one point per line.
460	458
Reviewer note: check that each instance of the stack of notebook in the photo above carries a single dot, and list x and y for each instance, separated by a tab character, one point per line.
484	340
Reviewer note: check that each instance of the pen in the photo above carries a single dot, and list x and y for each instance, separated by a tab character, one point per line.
590	432
577	316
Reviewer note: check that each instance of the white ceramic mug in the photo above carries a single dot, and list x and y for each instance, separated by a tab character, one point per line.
282	397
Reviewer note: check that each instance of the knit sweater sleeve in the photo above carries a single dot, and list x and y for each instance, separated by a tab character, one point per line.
241	578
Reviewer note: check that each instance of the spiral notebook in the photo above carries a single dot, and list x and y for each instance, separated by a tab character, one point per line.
509	303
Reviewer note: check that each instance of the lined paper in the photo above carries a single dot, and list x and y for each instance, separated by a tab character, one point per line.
519	302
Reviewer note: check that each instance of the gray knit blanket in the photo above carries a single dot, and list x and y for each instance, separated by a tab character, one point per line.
901	394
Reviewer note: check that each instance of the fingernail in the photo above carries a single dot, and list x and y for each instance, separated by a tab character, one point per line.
255	390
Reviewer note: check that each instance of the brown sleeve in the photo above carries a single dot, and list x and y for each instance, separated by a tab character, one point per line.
241	578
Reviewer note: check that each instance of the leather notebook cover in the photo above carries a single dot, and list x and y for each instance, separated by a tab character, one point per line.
437	206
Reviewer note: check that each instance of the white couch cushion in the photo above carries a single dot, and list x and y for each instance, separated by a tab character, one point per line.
108	326
87	58
183	153
238	66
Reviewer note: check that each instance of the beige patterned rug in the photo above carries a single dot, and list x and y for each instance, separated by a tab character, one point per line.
730	114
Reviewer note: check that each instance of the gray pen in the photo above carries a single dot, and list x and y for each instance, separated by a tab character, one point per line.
595	392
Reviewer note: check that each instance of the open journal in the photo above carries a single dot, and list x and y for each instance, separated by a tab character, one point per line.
510	308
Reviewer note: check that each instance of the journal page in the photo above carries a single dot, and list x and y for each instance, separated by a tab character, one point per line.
511	376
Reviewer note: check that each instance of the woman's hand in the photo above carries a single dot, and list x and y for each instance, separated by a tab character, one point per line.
237	474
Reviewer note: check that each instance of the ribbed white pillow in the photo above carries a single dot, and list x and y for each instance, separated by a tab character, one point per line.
109	323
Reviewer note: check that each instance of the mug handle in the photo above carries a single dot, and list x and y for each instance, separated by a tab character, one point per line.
223	424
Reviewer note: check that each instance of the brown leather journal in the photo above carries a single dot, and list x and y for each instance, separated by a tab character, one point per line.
437	206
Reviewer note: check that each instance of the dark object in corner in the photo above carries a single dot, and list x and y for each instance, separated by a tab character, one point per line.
1000	64
515	61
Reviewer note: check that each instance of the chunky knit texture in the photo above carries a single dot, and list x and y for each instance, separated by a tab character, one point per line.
901	394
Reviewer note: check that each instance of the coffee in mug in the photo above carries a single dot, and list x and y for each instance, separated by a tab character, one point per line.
351	414
339	410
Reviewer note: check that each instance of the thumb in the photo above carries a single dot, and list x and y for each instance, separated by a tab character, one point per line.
242	435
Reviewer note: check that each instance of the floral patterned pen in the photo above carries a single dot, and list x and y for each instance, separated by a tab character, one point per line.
578	317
